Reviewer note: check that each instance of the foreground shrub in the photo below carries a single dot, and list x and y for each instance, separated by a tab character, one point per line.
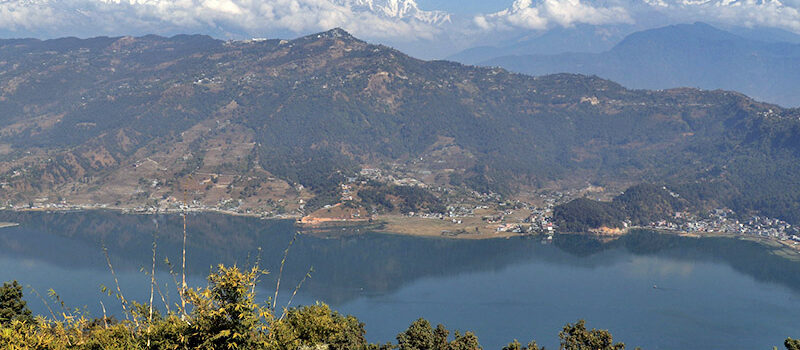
224	315
317	326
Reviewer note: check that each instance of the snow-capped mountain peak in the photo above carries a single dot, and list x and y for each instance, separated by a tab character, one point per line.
400	9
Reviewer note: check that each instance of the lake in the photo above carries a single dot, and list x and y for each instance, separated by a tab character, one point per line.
650	290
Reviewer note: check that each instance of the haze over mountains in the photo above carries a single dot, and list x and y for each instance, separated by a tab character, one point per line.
693	55
423	28
578	38
129	120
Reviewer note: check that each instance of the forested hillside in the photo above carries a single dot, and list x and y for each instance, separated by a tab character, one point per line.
128	121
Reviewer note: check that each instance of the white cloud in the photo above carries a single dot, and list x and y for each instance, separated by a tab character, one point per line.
768	13
393	21
19	16
251	17
545	14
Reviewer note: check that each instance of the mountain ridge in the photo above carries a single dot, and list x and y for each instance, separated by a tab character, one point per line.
577	38
682	55
273	125
401	9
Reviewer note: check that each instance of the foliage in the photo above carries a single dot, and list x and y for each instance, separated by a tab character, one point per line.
792	344
583	214
418	336
12	306
317	325
320	170
466	341
421	336
225	314
639	204
644	203
516	345
577	337
404	198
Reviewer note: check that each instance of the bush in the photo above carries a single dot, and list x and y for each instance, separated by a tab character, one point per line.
223	315
315	326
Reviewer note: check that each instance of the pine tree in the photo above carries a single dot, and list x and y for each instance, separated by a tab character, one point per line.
12	306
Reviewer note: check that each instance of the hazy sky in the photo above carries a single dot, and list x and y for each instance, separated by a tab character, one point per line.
455	22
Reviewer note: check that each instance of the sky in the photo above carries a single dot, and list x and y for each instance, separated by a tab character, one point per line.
432	27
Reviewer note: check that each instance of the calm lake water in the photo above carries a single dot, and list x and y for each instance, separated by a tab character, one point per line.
711	293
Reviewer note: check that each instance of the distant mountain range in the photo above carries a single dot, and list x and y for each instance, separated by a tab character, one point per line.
691	55
577	38
129	120
401	9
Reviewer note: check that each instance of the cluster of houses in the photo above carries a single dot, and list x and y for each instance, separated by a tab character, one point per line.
347	192
541	220
515	228
399	180
40	203
725	221
454	212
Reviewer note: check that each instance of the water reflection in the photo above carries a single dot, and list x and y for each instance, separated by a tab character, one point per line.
348	265
747	257
490	286
345	267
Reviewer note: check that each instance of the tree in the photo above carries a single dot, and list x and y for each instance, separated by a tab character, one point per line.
440	337
576	337
12	306
225	314
421	336
533	346
318	326
792	344
418	336
467	341
516	345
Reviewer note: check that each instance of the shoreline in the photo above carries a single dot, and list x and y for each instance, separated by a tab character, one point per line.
383	224
148	212
407	226
8	224
430	227
786	249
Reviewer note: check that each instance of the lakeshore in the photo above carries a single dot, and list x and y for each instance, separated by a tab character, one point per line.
463	228
474	229
785	248
370	275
